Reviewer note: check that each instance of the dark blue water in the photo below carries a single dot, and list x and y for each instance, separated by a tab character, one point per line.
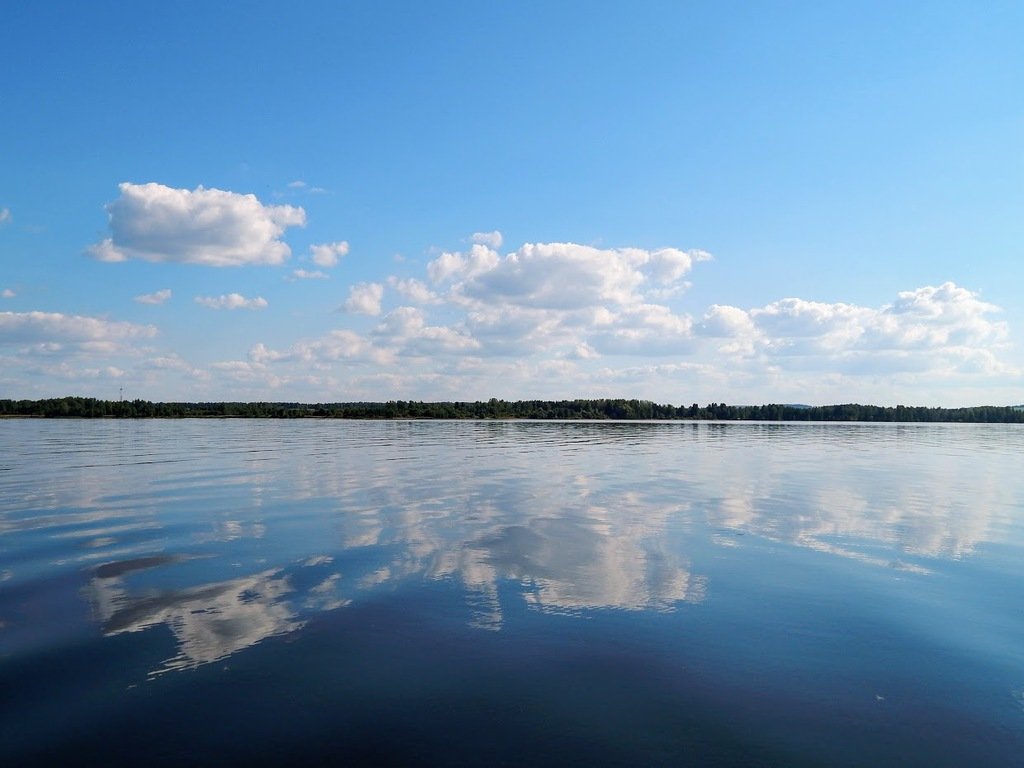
510	593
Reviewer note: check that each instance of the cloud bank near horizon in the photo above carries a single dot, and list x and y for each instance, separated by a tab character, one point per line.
556	319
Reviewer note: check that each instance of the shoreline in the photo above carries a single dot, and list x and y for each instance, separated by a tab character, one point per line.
599	409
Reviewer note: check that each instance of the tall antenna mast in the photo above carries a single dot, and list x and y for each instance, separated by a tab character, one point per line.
121	395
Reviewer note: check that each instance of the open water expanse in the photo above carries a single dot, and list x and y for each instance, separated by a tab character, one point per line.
511	593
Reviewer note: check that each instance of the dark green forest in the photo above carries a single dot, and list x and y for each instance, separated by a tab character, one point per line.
87	407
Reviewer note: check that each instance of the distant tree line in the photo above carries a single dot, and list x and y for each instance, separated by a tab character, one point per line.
87	407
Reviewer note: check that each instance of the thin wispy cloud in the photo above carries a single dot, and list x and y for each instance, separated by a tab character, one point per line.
231	301
306	274
57	328
158	297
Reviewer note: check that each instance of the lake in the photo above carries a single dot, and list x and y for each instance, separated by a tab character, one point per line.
511	593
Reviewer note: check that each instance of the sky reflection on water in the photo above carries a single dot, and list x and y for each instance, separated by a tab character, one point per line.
230	533
578	515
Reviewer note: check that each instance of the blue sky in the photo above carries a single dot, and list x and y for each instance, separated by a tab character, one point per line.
739	202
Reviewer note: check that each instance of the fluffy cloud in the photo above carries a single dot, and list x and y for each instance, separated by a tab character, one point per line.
211	227
5	216
796	325
508	330
926	319
649	329
563	319
457	265
364	299
7	293
582	351
332	347
665	266
723	321
943	315
568	297
942	330
524	352
406	328
557	276
58	328
490	239
328	254
561	275
403	334
154	298
414	290
231	301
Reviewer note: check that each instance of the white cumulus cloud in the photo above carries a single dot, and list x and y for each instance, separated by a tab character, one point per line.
211	227
724	321
946	314
7	293
561	275
490	239
454	265
5	216
341	344
667	265
231	301
643	329
328	254
566	297
414	290
158	297
926	319
364	299
561	319
406	328
937	330
798	325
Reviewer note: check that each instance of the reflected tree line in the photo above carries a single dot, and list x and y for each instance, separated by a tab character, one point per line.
597	409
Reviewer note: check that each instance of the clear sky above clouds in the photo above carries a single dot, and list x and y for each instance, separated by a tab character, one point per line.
754	202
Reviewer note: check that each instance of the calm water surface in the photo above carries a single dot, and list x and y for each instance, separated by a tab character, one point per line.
511	593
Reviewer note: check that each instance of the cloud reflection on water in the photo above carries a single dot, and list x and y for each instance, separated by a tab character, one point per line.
567	566
895	504
574	517
209	622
